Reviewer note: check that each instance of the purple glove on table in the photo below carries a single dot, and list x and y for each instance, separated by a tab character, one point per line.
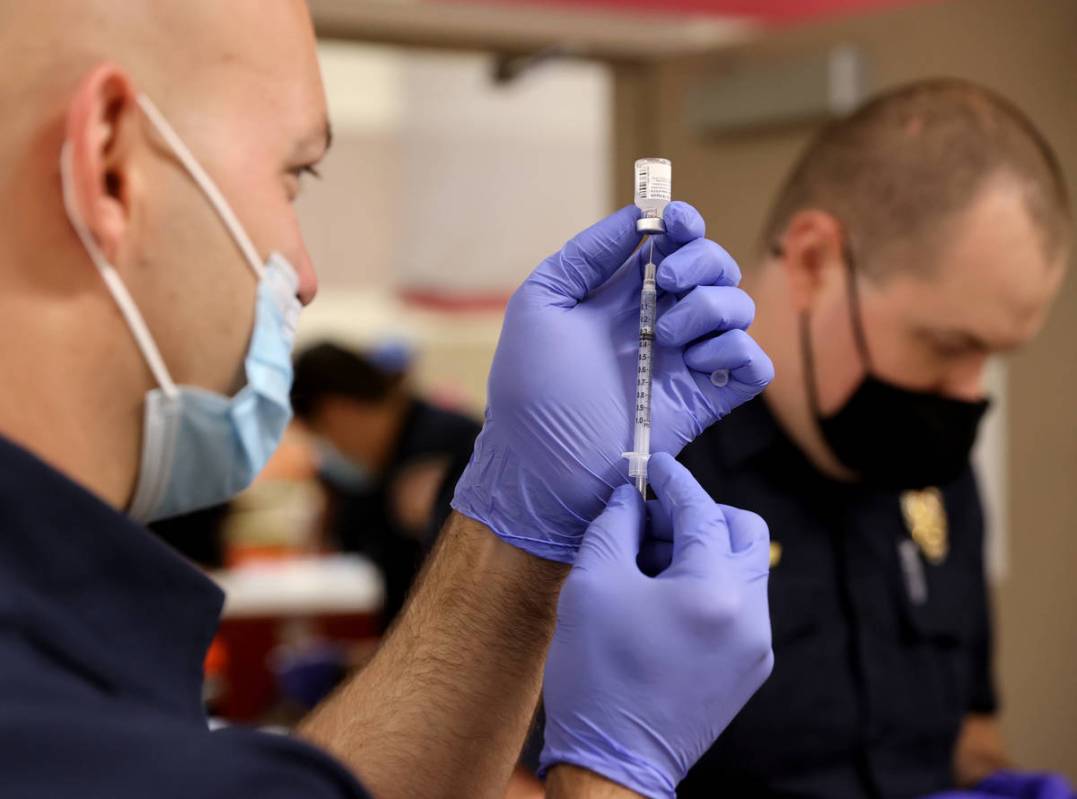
1015	785
562	385
645	672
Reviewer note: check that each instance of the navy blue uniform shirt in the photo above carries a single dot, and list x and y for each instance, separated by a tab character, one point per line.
103	631
365	520
880	651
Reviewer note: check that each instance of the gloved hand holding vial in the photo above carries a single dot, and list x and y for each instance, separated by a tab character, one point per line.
560	412
654	183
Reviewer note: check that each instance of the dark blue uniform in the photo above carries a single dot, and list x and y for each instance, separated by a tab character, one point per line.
364	521
880	650
103	631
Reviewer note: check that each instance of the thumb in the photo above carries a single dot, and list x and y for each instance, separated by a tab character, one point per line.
589	259
615	535
746	529
700	532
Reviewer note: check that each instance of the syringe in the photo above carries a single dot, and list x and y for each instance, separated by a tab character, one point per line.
652	196
641	437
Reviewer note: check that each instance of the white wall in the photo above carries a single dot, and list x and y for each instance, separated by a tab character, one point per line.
442	181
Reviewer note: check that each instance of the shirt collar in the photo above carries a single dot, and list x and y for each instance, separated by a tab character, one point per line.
755	435
100	592
751	431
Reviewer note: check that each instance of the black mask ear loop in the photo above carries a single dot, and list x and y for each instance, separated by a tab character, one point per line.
854	304
807	355
807	360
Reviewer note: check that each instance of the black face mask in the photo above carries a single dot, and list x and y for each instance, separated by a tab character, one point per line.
890	436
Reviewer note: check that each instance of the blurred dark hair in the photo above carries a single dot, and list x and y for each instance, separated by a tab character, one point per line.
902	165
328	370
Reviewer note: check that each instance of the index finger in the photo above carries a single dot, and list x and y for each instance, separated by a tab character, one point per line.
683	224
701	262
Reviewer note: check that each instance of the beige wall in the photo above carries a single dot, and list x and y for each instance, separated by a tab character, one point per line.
1027	49
441	180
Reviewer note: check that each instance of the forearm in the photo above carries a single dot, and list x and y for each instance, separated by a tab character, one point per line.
569	782
443	708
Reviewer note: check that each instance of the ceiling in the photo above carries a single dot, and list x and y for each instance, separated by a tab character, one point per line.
632	30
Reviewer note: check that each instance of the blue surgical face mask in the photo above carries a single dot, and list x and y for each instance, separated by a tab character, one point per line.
340	470
200	448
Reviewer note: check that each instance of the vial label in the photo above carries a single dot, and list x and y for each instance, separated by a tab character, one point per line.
653	180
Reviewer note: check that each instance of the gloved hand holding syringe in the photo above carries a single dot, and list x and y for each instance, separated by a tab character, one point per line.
653	192
564	403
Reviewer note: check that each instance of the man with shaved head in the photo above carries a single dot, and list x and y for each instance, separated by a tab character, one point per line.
152	272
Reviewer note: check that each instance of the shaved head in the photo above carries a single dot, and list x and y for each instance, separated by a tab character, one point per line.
239	81
46	47
899	170
176	50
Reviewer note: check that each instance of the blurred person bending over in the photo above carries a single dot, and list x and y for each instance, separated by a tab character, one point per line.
152	271
386	456
912	241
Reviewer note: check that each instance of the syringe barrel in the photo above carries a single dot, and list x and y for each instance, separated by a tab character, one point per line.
641	438
644	367
648	301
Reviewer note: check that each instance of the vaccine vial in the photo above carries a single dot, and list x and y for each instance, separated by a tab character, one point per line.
653	182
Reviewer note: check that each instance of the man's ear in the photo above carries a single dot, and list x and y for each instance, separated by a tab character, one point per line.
811	255
103	126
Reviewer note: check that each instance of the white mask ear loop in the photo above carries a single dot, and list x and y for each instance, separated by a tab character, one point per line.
112	280
205	183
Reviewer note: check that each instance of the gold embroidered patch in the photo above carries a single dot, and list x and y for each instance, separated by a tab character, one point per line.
925	519
775	553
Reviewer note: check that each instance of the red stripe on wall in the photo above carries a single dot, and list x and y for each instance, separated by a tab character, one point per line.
773	11
432	300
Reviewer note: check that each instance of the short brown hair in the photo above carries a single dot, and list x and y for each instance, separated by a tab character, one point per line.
910	158
328	370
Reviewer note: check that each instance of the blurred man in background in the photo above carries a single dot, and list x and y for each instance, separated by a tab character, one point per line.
385	454
912	241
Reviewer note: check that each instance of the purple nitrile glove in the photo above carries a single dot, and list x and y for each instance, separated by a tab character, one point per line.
645	672
562	385
1015	785
1018	785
